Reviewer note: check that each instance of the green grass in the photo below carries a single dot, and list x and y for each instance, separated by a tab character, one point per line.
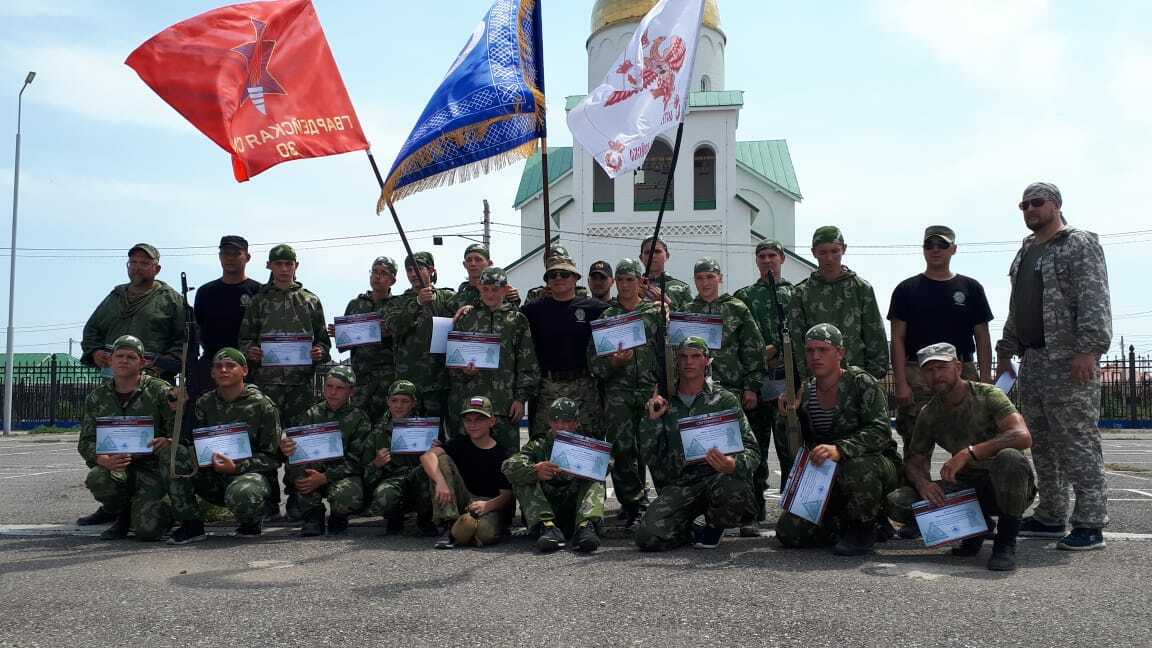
47	429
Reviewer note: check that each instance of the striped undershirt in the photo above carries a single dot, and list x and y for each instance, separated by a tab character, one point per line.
820	418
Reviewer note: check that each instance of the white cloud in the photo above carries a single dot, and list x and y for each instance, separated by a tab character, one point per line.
996	42
1131	84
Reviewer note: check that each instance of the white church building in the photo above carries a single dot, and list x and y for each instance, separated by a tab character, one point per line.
726	194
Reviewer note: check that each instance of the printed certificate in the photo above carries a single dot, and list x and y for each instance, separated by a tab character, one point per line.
709	327
721	430
581	456
286	350
318	442
414	435
230	440
440	328
957	518
806	494
124	434
620	332
482	350
357	330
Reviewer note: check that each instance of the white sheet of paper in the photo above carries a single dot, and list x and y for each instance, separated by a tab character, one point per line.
124	434
621	332
806	494
480	349
959	517
709	327
414	435
286	350
721	430
440	328
230	440
317	442
1008	379
581	456
357	330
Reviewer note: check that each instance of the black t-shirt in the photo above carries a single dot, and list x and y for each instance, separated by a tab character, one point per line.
561	331
1028	298
480	468
940	311
219	309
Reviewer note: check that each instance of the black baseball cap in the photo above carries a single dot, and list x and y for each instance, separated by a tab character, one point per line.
234	241
600	267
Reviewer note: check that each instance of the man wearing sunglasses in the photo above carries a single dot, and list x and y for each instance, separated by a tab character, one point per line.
1059	324
542	291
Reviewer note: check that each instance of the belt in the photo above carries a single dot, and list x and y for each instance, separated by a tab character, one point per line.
567	374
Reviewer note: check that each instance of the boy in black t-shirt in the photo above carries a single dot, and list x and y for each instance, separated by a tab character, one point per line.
471	498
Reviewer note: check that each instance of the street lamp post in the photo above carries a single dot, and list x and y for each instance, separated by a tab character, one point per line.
12	268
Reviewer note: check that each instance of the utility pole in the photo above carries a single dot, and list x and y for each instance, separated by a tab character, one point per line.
487	227
70	341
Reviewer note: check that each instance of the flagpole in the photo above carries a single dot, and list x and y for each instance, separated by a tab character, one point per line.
547	202
395	218
662	332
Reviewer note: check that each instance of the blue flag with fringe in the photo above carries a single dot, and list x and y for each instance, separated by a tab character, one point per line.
488	111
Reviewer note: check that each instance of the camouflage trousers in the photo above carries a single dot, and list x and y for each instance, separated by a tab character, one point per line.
291	400
564	501
768	427
582	390
1062	418
400	493
344	495
1004	485
490	527
724	501
141	490
372	394
906	415
858	496
243	495
623	409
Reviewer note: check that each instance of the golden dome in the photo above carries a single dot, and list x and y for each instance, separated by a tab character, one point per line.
610	12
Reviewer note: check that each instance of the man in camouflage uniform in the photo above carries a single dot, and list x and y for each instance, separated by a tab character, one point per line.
978	425
768	300
556	505
836	295
145	308
242	485
476	259
628	378
538	292
337	480
844	415
374	364
517	379
654	255
132	488
409	317
396	483
720	487
1059	324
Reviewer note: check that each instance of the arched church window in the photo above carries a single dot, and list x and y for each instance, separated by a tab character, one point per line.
705	83
603	190
704	178
649	180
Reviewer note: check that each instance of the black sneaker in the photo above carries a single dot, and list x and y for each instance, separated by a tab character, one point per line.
446	540
313	524
101	516
119	529
248	530
1081	539
969	546
551	538
1003	558
337	524
395	526
586	539
857	540
707	537
189	532
1032	528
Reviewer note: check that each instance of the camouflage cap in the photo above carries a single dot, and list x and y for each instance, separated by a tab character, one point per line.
557	251
1045	190
707	264
941	232
423	258
403	388
561	263
493	276
343	372
694	342
939	351
231	353
131	342
152	252
826	333
827	234
770	244
282	252
388	262
629	267
477	248
479	405
564	409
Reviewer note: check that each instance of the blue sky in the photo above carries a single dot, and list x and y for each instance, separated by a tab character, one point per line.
899	114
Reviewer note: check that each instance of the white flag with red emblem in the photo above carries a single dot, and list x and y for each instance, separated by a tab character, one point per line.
645	92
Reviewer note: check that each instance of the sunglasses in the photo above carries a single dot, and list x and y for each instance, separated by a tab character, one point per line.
1035	202
558	274
937	245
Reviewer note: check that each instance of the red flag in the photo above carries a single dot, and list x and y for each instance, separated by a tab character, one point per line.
258	79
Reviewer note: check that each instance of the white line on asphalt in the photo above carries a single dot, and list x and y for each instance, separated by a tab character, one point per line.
1119	474
37	474
1138	492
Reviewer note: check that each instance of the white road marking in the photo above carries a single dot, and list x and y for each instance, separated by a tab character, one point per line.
1120	474
37	474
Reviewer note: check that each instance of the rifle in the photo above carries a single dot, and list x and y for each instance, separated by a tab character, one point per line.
182	383
791	420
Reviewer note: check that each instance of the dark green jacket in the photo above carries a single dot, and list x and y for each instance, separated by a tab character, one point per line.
354	430
259	413
157	319
149	399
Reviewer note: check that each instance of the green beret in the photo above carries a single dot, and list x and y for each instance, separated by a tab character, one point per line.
695	342
344	373
231	353
629	267
478	248
707	264
131	342
564	409
827	234
826	333
770	244
493	276
282	252
423	258
387	262
403	388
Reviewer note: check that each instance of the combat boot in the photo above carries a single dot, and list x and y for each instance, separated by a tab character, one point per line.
337	524
586	540
858	539
1004	546
550	537
313	523
119	528
100	516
